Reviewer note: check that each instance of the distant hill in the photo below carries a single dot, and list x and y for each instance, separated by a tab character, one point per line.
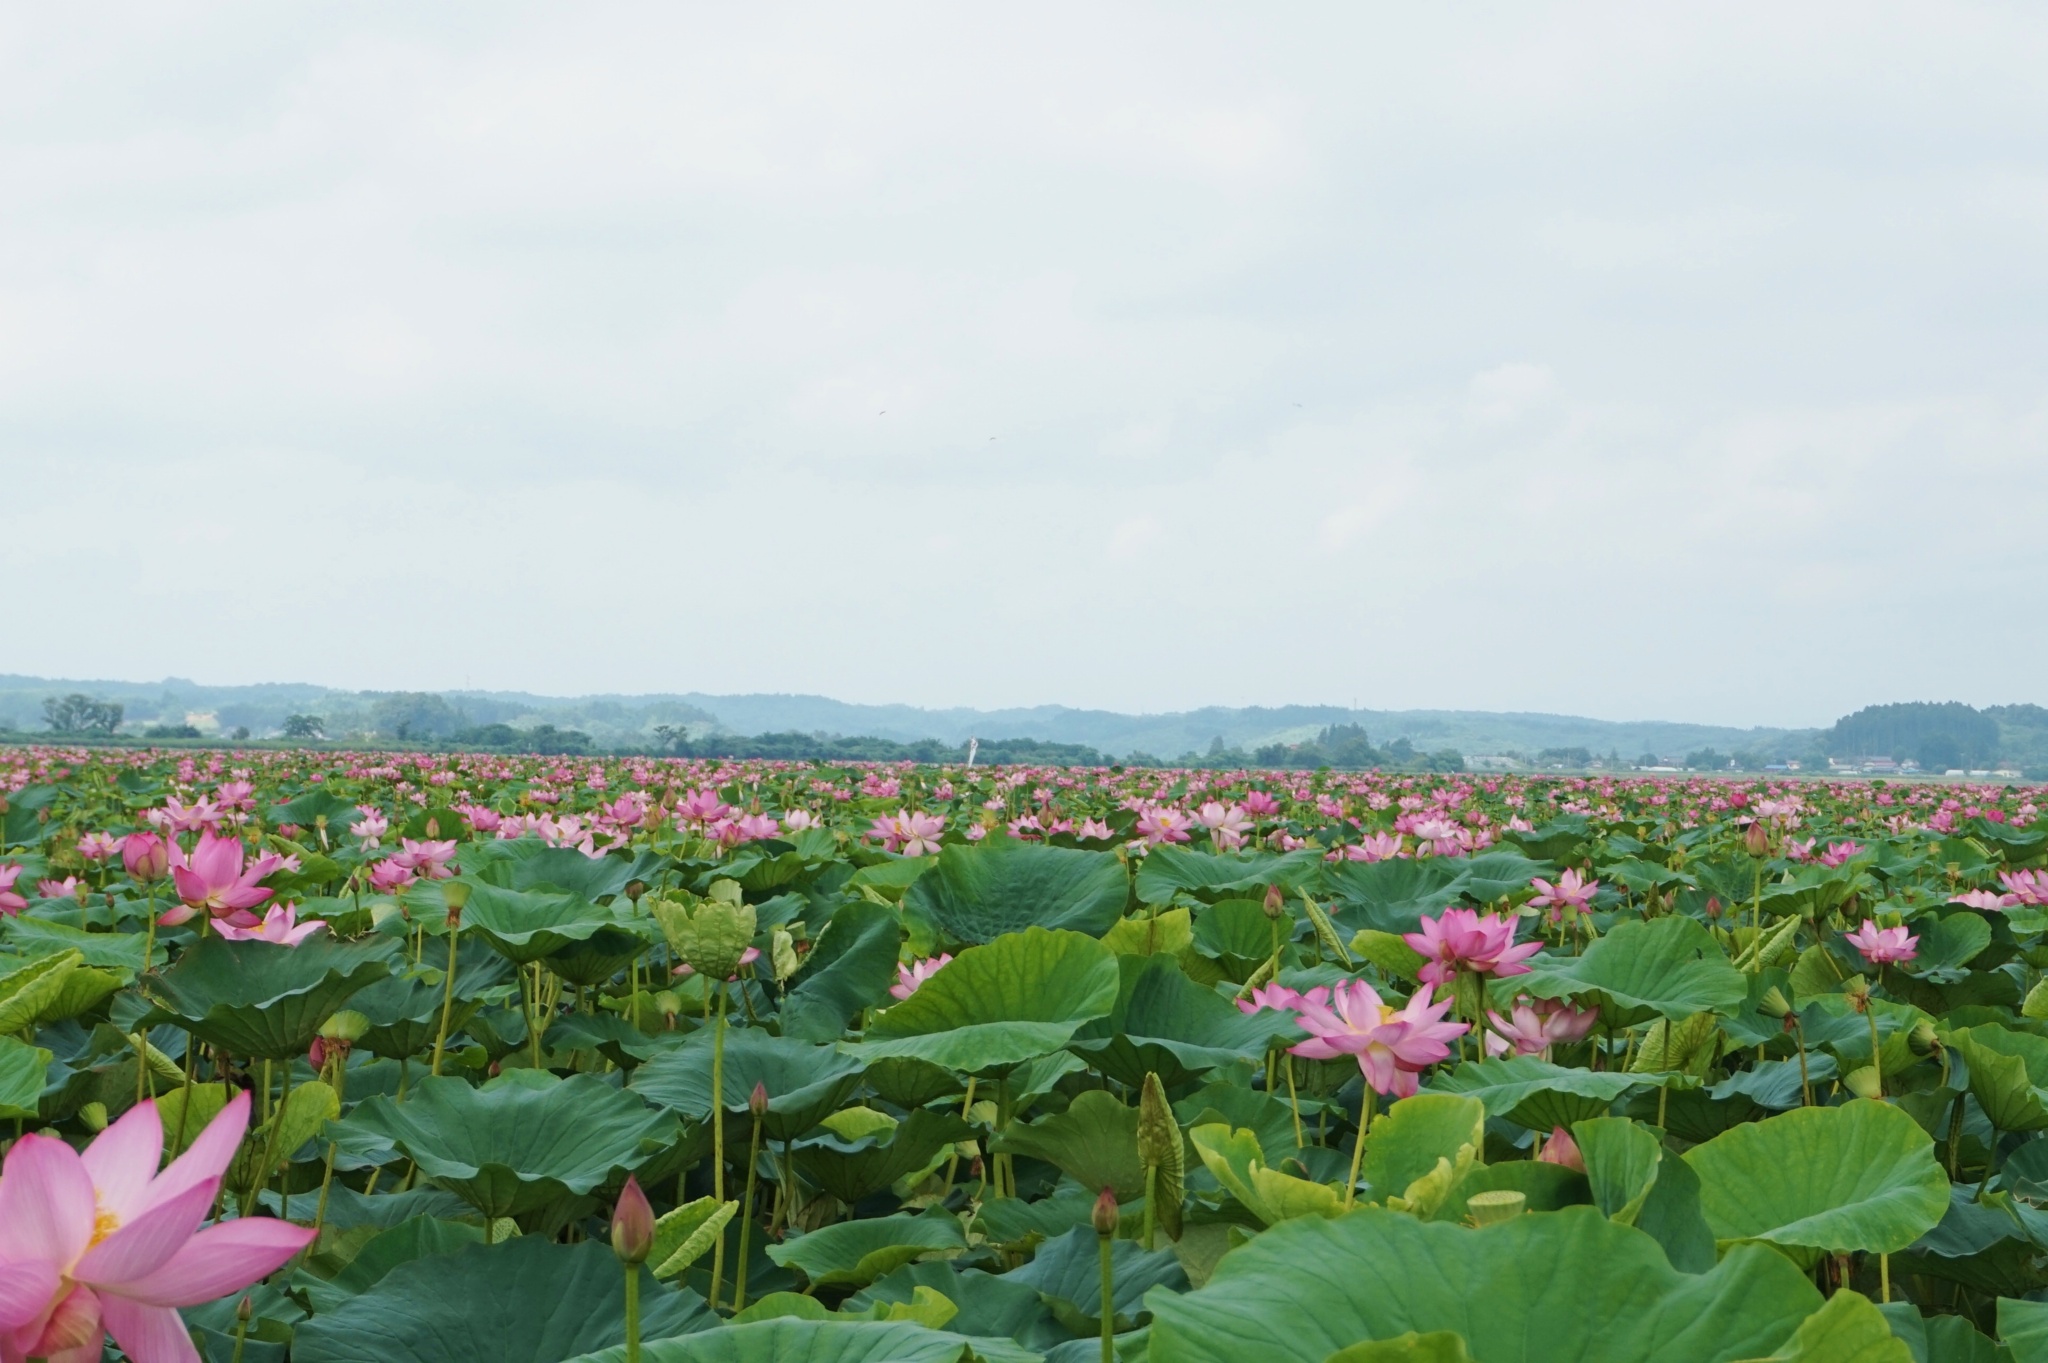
649	720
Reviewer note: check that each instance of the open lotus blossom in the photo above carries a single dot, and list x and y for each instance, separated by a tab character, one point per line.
2026	887
1392	1045
178	817
1159	824
1562	1149
370	829
1989	900
1280	999
797	820
429	859
700	807
1260	805
910	977
1572	891
1882	946
101	1243
11	902
280	925
98	846
70	887
212	880
1521	1032
1460	939
912	832
1227	824
1094	829
1838	853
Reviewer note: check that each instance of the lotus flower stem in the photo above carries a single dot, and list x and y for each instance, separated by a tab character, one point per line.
276	1120
1884	1278
1876	1053
242	1313
1105	1245
966	1106
185	1096
632	1313
448	1001
1294	1102
739	1281
149	931
1955	1137
718	1137
1365	1111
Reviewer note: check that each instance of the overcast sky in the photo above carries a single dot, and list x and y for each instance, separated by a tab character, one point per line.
1635	361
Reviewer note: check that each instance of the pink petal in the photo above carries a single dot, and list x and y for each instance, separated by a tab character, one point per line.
221	1259
46	1201
207	1158
25	1289
147	1334
124	1158
144	1245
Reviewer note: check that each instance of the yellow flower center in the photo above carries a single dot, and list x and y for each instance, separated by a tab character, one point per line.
104	1222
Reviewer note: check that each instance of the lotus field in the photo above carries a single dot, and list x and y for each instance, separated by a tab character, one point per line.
409	1058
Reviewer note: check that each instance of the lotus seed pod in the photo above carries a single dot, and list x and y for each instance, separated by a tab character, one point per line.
94	1115
1495	1205
1774	1004
347	1025
1862	1082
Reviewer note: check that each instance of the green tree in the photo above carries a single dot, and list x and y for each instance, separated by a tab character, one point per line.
304	727
78	713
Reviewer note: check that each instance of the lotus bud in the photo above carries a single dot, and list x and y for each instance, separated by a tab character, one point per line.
757	1101
1757	840
94	1115
1774	1004
1862	1082
316	1054
634	889
1105	1215
146	856
245	1309
632	1224
1495	1205
1275	904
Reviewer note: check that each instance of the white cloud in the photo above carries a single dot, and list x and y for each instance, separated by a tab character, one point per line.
1607	359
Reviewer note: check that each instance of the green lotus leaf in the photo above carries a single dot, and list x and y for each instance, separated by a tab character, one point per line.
597	958
804	1081
1622	1159
1545	1188
909	1082
1438	1346
1419	1149
850	968
1094	1142
852	1170
521	1141
790	1340
978	892
2023	1325
1857	1177
405	1010
2008	1074
1944	1339
858	1252
1164	1023
1534	1093
525	1300
1670	966
106	950
526	925
30	987
1393	895
385	1249
1168	871
1235	1159
1067	1275
685	1235
258	998
530	864
1846	1330
22	1072
995	1006
1552	1287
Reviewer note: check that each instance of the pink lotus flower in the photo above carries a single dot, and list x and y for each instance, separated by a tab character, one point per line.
98	846
1094	830
797	820
146	856
1392	1045
212	879
1520	1032
11	903
910	977
431	860
1260	805
70	887
1564	1022
177	817
698	808
280	925
1460	939
389	877
2027	887
110	1245
1838	853
1280	999
370	829
914	833
1881	946
1989	900
1572	891
1158	824
1562	1149
1227	824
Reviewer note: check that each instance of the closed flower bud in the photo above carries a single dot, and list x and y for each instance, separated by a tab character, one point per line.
244	1309
632	1224
1757	840
146	856
757	1101
1104	1217
1275	905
